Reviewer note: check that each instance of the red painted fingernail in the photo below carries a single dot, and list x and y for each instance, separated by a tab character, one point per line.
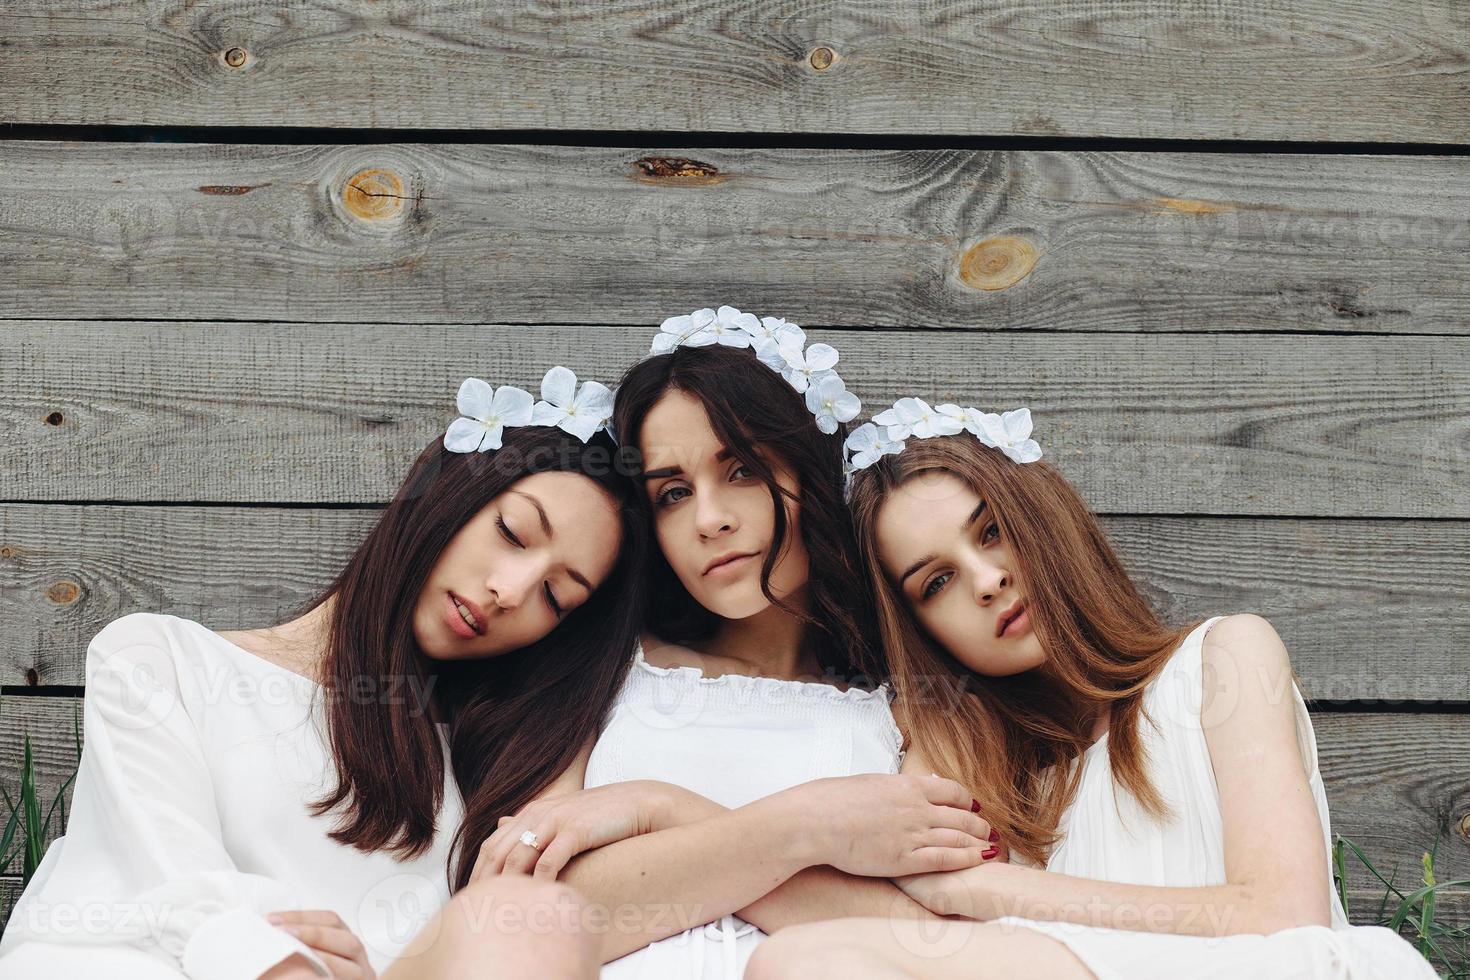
974	805
987	855
994	836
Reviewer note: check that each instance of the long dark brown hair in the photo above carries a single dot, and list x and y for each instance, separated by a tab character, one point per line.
514	721
1008	737
749	404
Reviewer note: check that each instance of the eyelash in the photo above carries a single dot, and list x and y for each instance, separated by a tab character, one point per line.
930	591
511	537
661	501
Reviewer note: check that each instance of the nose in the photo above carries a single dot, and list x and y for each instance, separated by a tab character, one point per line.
509	586
990	580
712	515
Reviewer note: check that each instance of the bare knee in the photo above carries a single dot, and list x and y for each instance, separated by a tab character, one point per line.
803	951
503	924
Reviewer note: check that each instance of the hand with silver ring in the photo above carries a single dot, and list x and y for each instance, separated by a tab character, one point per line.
556	829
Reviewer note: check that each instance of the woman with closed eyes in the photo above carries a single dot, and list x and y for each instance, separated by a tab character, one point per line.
302	800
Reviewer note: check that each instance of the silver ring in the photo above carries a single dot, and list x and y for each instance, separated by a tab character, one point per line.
529	839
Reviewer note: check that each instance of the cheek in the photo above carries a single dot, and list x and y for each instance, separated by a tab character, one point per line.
666	533
956	631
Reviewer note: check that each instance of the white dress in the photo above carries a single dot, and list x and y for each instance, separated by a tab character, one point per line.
189	823
1119	842
733	739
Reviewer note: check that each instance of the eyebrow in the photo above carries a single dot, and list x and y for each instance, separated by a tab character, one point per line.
969	521
572	573
720	457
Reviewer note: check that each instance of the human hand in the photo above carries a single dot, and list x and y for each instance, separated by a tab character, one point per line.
328	936
978	893
567	825
884	825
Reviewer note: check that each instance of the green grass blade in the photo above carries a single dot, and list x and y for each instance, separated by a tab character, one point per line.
31	812
1339	871
1417	898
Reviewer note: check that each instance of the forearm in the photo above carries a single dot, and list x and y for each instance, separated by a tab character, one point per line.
693	871
812	895
820	893
989	892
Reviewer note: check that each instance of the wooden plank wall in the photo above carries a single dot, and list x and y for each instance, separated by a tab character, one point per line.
247	251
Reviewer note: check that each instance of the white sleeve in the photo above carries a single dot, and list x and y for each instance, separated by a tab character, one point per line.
142	860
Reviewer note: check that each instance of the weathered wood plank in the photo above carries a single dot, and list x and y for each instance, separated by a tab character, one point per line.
1395	782
1338	591
1343	426
1308	70
446	233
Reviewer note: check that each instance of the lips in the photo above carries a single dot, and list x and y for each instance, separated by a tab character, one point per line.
1015	609
474	624
725	559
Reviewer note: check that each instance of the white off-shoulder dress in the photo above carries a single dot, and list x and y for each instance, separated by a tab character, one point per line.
1110	837
733	739
189	823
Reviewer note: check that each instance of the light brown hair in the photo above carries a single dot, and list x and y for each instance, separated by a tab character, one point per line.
1009	738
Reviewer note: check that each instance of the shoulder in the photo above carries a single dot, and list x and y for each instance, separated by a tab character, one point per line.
145	647
1244	642
662	653
1248	680
137	629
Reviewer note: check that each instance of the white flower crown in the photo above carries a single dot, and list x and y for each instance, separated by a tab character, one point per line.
487	412
779	345
1009	432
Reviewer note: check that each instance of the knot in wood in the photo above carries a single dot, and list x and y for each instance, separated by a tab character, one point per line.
374	194
821	58
997	263
235	57
63	593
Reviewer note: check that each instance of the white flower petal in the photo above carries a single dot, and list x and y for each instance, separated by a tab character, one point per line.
699	338
581	426
663	343
735	320
595	399
945	425
992	432
821	357
733	338
910	410
863	438
464	435
972	420
558	387
474	398
492	437
827	424
791	334
512	406
846	406
1017	424
769	353
545	413
1025	451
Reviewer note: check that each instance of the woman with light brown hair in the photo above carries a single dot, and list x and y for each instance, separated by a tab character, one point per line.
1157	786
